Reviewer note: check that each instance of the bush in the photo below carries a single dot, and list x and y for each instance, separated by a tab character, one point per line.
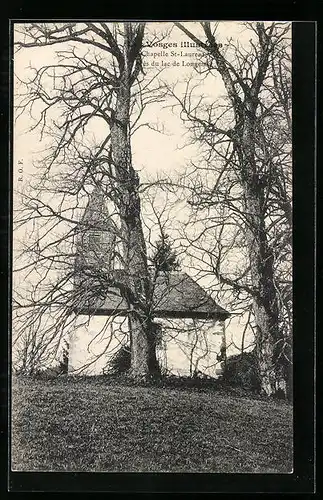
120	361
241	371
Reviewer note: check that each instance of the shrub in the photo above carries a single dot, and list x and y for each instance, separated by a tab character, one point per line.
120	361
241	371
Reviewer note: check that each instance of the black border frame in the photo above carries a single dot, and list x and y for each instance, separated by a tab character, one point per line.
302	480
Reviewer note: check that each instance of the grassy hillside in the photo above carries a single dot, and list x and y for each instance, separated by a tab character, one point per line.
86	425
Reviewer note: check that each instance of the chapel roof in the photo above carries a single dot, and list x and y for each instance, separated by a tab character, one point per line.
176	295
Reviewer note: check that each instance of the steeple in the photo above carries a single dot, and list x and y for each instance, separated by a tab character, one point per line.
95	240
95	215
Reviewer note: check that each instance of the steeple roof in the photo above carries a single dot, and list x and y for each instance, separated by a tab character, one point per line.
96	213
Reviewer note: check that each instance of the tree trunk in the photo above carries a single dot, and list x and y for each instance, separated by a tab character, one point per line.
143	347
128	202
265	304
254	183
139	348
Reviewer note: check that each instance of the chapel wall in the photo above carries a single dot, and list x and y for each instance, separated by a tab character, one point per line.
186	346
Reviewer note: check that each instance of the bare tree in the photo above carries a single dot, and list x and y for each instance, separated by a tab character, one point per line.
96	81
240	191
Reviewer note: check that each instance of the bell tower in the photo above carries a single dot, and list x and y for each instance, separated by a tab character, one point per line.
95	242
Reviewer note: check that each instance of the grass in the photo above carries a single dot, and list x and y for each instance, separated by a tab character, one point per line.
88	425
